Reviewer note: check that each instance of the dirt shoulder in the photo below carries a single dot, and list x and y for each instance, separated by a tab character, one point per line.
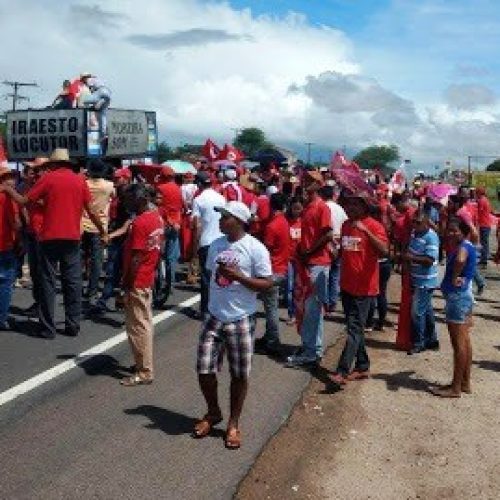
389	438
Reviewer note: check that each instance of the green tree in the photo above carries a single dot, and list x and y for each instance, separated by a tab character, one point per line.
251	140
494	167
377	156
164	152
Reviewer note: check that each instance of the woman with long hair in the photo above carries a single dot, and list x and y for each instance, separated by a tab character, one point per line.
456	287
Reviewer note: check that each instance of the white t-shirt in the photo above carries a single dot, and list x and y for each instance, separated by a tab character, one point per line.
230	301
338	217
203	208
188	191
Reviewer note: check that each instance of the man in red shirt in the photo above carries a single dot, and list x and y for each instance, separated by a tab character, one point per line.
277	240
64	196
315	254
363	241
484	223
9	227
171	211
140	258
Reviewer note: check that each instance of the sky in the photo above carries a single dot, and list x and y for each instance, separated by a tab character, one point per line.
423	75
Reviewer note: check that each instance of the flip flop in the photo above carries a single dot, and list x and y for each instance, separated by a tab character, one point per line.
233	439
203	427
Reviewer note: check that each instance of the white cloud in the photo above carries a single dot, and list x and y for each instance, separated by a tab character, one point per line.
469	96
206	68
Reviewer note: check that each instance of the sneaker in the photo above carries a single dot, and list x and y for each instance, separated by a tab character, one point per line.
300	360
415	350
480	289
379	327
358	375
71	332
433	346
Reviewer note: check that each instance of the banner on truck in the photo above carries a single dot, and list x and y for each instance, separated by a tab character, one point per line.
38	133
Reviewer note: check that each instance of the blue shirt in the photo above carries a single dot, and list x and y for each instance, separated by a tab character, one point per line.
468	271
424	245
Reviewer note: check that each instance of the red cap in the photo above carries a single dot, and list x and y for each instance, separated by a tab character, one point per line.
123	173
167	172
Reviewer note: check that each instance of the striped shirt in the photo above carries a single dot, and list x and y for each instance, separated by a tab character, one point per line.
425	245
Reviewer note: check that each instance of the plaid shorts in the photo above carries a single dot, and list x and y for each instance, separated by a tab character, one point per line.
217	337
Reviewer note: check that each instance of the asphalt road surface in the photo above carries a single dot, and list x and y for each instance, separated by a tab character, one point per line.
69	430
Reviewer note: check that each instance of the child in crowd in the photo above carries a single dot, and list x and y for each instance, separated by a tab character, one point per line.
294	217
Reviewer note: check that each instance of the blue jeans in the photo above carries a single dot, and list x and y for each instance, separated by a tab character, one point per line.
311	330
113	271
171	256
8	263
356	312
422	318
380	303
270	299
92	250
478	278
290	284
333	284
484	236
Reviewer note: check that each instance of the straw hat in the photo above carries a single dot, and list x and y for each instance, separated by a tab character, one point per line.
59	155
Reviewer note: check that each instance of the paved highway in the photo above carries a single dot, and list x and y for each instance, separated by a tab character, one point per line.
69	430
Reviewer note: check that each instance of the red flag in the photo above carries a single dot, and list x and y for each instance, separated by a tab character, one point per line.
352	165
339	160
231	153
210	150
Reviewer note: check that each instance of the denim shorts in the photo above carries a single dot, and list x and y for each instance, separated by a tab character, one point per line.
458	306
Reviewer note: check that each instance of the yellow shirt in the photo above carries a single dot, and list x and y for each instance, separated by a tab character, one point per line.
101	191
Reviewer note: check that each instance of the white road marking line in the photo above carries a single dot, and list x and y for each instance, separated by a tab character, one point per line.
65	366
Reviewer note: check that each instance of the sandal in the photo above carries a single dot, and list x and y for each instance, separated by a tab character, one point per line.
203	427
135	380
233	438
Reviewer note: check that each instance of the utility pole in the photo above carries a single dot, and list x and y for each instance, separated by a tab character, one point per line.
15	94
309	144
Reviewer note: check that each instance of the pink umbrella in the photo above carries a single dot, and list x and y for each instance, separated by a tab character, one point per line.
437	192
351	180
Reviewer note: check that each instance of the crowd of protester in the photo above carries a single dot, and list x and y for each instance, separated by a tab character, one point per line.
299	237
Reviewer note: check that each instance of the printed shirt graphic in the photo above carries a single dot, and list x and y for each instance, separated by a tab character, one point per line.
229	300
359	273
146	236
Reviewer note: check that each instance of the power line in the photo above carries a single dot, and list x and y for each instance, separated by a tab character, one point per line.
309	144
15	94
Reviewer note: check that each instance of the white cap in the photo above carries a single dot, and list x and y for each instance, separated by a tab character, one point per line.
230	174
236	209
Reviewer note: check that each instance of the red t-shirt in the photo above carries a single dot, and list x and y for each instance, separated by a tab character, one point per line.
145	235
8	213
316	221
359	275
277	240
35	214
171	209
262	213
295	235
403	226
483	212
64	195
